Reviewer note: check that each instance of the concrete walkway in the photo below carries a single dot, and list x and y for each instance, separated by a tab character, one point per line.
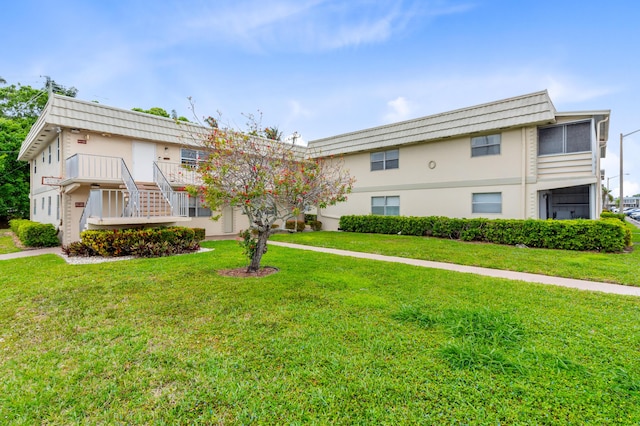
31	252
498	273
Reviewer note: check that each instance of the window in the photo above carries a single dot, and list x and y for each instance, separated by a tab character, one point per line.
197	209
58	149
49	206
485	145
564	139
49	154
385	206
35	206
58	207
384	160
43	204
191	156
487	202
35	166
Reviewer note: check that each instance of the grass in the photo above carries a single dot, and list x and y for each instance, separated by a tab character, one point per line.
7	244
620	268
327	340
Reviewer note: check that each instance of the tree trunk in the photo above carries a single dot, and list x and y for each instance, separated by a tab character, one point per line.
261	249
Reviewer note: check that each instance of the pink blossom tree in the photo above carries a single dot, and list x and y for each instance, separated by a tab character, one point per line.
268	180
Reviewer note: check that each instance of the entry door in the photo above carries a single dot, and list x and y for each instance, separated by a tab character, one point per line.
144	154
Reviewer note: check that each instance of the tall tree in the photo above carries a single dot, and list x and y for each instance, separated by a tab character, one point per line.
20	107
268	180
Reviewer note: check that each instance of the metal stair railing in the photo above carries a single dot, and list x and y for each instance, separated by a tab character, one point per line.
132	208
176	199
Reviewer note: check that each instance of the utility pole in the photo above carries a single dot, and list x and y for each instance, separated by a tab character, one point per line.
621	201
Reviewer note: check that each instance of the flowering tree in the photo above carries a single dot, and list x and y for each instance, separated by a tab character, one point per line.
268	180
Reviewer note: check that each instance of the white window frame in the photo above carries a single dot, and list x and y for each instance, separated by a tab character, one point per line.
197	209
486	202
390	205
189	159
386	160
486	145
563	128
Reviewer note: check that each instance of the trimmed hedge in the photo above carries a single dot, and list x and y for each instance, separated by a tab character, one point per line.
315	225
611	215
608	235
148	242
35	234
299	225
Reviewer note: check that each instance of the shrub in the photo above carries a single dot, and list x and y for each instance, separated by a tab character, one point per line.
608	235
199	234
151	242
34	234
308	218
15	224
78	249
611	215
298	225
316	225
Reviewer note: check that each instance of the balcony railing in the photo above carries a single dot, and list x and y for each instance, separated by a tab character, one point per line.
179	175
94	168
110	204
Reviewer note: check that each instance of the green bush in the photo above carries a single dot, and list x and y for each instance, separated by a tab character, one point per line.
608	235
34	234
298	225
14	224
199	233
151	242
611	215
316	225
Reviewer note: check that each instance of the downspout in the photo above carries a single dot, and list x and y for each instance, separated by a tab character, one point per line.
599	200
523	177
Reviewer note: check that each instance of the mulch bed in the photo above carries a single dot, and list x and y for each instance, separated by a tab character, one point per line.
242	272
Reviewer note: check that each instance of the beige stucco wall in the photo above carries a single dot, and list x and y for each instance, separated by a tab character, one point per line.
438	178
45	202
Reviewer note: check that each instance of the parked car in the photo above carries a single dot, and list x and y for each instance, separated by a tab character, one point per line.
635	215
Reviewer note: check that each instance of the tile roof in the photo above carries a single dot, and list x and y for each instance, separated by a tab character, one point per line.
65	112
531	109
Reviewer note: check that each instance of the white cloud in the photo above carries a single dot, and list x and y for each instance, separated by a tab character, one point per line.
570	89
287	25
400	110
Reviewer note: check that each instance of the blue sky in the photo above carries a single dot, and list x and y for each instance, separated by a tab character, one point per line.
327	67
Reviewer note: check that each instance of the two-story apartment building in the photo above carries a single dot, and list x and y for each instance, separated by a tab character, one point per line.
515	158
95	166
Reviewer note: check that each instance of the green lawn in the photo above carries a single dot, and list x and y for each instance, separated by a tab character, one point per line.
6	242
620	268
327	340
